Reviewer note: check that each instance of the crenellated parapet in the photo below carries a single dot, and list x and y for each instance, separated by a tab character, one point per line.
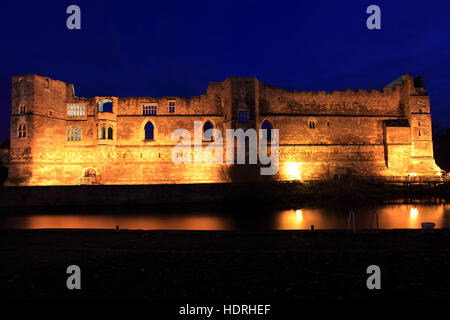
377	102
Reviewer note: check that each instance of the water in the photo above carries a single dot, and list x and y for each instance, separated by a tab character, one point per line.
392	216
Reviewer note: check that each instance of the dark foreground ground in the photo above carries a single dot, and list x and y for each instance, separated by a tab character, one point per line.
224	266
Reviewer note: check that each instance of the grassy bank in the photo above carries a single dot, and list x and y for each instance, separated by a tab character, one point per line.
347	193
235	196
224	266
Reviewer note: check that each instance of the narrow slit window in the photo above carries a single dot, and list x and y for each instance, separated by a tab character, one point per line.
267	128
171	106
110	133
102	133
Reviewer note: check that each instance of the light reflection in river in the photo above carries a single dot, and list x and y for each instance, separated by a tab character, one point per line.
397	216
143	222
390	217
413	213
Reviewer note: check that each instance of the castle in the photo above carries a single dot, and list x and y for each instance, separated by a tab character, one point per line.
60	139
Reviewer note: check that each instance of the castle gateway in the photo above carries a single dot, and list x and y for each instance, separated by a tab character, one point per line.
60	139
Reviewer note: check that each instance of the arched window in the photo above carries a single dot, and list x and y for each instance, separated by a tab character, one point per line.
149	131
268	128
312	124
105	106
207	135
102	133
110	133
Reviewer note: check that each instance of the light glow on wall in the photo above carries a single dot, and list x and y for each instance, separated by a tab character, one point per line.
293	171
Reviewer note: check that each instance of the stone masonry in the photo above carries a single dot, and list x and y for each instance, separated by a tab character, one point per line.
60	139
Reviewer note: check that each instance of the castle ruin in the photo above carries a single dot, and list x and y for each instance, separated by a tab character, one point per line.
60	139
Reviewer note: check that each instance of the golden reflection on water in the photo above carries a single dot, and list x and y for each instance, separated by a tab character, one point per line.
129	222
299	215
304	218
412	216
396	216
413	212
389	217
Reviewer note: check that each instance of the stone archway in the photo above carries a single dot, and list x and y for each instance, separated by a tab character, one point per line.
90	172
90	176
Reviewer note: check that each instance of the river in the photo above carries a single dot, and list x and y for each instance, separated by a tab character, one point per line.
390	216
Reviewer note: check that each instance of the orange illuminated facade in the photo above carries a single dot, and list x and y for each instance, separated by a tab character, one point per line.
58	138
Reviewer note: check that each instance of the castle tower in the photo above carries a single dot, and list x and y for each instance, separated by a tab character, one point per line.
417	107
241	107
38	128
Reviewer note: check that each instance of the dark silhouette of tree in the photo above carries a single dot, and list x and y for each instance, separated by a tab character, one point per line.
441	146
4	149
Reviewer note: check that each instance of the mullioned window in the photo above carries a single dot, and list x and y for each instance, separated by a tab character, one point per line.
22	130
73	134
171	106
76	110
149	109
22	109
243	115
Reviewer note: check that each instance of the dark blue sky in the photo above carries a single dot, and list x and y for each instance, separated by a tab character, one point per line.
155	48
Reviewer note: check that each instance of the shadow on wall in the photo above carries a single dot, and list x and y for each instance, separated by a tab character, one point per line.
248	173
253	195
248	187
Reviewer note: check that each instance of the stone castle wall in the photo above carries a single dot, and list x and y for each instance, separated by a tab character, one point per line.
321	134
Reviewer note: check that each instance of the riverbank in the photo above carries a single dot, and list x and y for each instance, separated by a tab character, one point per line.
221	266
233	195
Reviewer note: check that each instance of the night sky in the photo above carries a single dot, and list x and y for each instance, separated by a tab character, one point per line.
157	48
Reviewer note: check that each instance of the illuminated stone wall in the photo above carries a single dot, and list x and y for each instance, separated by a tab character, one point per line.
367	133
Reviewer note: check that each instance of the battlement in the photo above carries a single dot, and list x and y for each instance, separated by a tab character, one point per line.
392	89
217	89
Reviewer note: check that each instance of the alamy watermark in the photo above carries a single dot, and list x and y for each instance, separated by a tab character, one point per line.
374	280
190	150
374	20
74	280
74	20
